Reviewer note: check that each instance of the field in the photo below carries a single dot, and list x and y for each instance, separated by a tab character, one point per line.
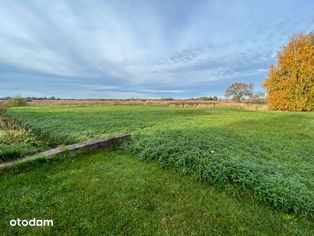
247	104
260	162
110	193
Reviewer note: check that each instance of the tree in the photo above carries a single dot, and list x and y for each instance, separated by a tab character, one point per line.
239	91
258	95
290	84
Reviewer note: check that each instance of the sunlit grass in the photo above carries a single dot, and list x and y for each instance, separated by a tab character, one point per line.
269	154
110	193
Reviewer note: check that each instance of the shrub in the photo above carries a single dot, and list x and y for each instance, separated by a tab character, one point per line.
16	101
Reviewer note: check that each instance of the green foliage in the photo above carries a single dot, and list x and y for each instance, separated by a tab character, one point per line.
269	154
115	194
16	102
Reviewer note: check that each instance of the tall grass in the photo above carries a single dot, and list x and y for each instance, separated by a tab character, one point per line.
259	105
15	140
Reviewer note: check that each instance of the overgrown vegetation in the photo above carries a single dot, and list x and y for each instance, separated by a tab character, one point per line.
115	194
266	153
16	101
16	141
290	84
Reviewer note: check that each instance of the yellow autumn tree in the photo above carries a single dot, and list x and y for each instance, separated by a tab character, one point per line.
290	84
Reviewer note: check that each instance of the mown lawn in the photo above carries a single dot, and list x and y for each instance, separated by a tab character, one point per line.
111	193
268	154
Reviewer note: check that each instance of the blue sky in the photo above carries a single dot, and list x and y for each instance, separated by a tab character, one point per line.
143	49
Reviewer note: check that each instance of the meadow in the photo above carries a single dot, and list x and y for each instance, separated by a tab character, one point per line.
111	193
260	159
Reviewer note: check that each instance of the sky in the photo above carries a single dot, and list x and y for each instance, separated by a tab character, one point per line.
142	49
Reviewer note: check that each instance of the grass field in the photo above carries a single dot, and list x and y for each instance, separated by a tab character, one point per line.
267	156
113	194
16	141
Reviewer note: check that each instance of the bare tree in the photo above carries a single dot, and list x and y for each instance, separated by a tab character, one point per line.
239	91
258	95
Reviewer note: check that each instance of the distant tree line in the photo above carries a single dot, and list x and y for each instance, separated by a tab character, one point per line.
31	98
214	98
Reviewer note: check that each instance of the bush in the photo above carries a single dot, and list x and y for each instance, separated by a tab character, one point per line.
16	101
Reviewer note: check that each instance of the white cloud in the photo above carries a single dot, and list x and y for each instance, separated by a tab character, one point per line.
155	47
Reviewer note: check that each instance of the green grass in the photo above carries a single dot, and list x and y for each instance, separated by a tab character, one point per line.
110	193
16	141
15	151
269	154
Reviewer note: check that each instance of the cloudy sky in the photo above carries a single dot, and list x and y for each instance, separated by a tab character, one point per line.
144	49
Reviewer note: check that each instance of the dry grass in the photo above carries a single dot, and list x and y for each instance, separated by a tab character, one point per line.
3	104
157	102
